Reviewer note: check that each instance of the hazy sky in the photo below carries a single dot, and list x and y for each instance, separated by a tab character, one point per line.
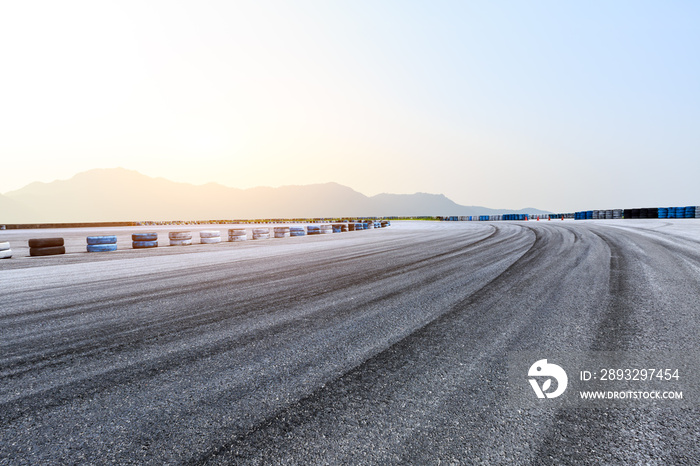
556	105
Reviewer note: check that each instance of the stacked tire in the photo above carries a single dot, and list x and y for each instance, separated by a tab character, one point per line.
46	247
326	229
314	229
106	243
237	234
697	211
689	212
337	228
297	231
180	238
209	236
144	240
261	233
282	232
5	251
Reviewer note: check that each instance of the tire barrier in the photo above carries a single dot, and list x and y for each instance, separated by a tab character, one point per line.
209	236
144	244
617	213
282	232
697	211
47	251
5	251
370	225
45	242
46	247
180	238
515	217
101	247
144	237
144	240
344	227
326	229
663	212
237	234
261	233
94	240
180	242
297	231
690	212
314	229
337	228
101	243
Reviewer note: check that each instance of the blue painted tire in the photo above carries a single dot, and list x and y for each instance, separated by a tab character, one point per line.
144	244
97	240
144	237
101	247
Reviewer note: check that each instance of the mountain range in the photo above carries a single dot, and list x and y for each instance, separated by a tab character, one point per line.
118	194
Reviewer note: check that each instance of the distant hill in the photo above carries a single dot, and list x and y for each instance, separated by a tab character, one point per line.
118	194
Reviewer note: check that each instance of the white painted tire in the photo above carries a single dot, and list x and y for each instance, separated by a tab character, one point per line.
281	234
237	232
6	254
261	231
4	246
210	240
180	242
180	235
210	234
261	236
238	238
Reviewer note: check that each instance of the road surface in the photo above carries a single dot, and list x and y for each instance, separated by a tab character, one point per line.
374	347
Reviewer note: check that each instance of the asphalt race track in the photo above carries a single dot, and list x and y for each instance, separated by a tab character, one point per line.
385	346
